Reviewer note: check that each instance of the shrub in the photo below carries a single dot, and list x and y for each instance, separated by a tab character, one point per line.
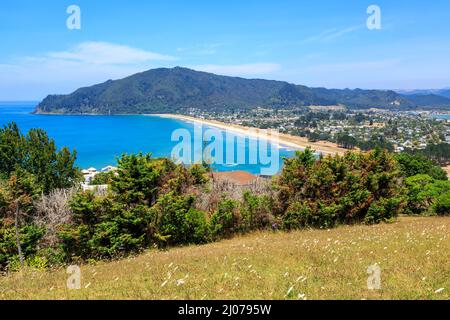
255	211
442	205
102	228
225	221
412	165
29	236
335	190
426	195
297	216
53	211
149	203
383	210
177	222
102	178
140	178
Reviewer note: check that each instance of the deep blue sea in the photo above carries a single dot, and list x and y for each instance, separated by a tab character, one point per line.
99	140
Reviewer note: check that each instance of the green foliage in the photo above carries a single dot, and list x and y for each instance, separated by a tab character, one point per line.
346	141
148	204
174	90
102	178
442	205
225	221
255	212
199	173
154	201
178	222
412	165
427	196
103	228
37	155
357	187
140	178
30	165
439	153
374	143
297	216
29	236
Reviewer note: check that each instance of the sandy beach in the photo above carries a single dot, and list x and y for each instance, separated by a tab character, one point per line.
285	140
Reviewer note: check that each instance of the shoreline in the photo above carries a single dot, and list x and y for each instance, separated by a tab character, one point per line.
285	140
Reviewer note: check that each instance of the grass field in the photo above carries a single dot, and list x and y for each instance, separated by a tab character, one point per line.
413	253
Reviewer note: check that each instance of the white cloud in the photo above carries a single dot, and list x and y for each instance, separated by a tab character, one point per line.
253	69
108	53
64	71
89	63
332	34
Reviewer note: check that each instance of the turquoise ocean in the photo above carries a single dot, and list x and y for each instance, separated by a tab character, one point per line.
99	140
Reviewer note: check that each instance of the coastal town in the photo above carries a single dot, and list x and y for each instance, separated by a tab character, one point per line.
395	130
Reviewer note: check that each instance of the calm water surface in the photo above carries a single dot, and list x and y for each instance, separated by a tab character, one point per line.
99	140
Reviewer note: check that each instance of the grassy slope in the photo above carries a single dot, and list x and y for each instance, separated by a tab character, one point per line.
414	255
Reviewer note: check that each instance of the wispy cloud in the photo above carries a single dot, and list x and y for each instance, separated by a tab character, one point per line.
108	53
332	34
89	63
84	64
253	69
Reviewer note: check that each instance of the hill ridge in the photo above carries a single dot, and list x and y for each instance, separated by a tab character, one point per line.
172	90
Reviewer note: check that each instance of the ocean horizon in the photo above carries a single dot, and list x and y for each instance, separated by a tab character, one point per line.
99	140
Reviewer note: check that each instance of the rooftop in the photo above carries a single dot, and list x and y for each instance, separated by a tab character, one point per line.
241	178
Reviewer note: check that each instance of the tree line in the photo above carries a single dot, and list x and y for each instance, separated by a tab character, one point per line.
46	220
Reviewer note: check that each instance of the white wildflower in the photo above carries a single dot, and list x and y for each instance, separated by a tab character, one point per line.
180	282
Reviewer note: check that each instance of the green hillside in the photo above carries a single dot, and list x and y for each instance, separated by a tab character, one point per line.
178	89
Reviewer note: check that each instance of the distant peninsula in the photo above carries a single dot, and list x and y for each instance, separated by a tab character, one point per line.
176	90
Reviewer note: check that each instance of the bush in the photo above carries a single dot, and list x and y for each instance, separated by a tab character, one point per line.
357	187
412	165
149	203
297	216
383	210
225	221
140	178
102	228
154	201
177	222
29	236
102	178
442	205
255	211
426	195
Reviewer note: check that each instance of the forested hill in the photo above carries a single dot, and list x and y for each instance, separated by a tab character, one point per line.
177	89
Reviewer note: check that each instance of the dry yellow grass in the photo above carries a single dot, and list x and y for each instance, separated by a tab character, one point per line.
413	253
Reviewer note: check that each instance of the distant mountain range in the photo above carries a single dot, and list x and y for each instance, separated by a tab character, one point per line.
178	89
439	92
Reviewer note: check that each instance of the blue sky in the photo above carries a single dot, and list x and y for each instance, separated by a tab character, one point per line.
315	43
